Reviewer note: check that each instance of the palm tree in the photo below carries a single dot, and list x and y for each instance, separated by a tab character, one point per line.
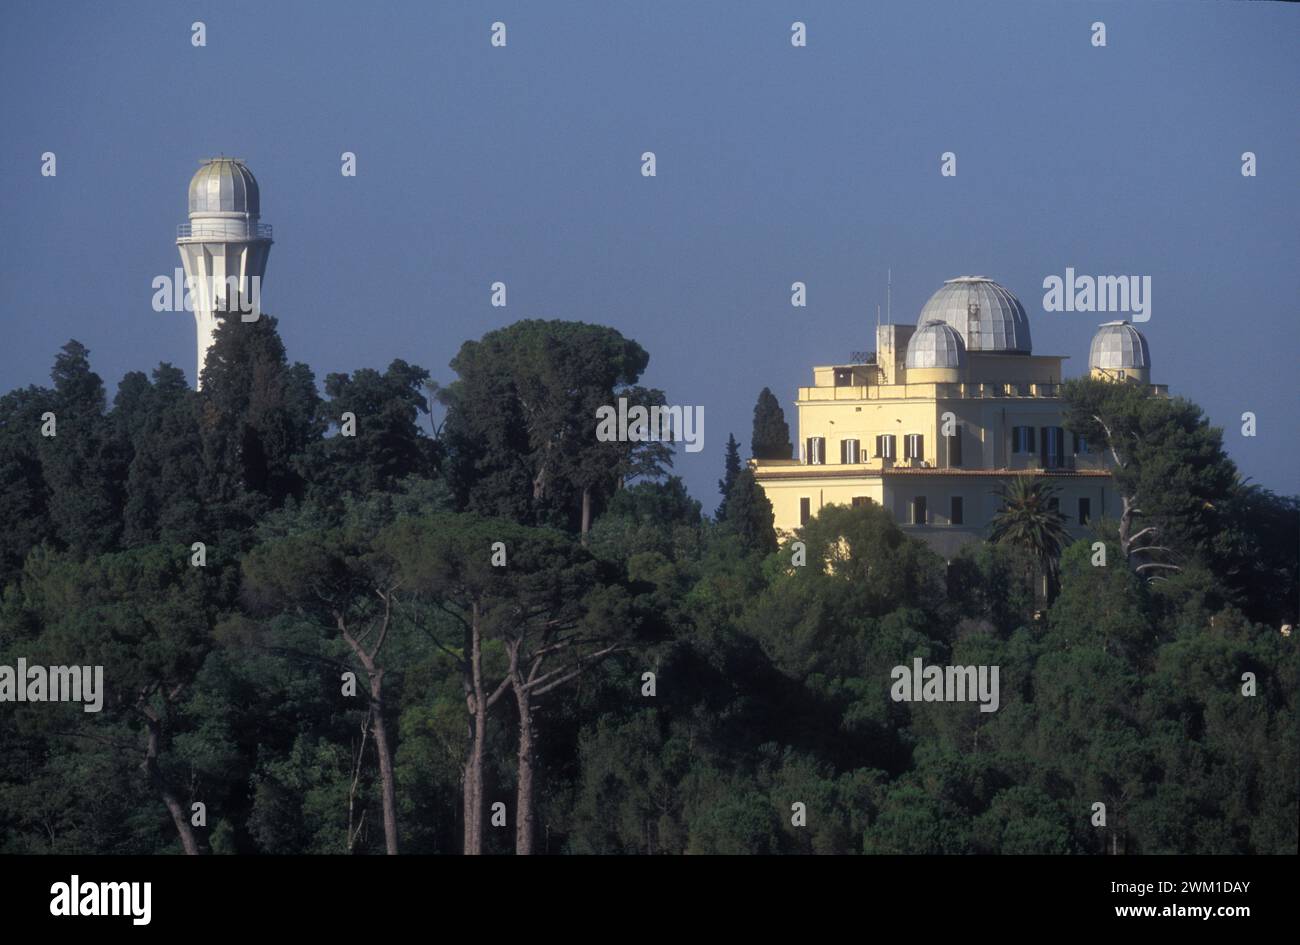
1030	520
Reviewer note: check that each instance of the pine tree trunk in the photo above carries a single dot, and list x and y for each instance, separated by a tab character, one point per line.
473	793
524	827
474	819
471	796
189	842
476	701
386	777
586	512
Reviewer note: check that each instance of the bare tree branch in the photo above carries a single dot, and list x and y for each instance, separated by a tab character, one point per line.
499	691
419	624
1149	528
535	686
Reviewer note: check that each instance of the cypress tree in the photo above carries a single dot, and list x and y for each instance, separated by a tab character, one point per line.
731	471
771	439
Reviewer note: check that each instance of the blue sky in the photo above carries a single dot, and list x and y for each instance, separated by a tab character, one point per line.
775	164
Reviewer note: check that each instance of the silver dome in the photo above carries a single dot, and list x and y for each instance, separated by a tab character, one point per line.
987	316
936	345
224	185
1118	346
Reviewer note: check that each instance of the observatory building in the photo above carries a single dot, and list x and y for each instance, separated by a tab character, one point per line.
224	248
1119	352
942	414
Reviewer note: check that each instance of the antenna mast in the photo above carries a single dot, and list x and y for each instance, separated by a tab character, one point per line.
889	295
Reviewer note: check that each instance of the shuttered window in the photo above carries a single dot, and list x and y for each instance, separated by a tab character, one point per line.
1053	448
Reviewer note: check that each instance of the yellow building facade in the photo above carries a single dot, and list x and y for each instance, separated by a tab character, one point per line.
942	414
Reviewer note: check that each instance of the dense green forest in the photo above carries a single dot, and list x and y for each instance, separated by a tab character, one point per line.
404	617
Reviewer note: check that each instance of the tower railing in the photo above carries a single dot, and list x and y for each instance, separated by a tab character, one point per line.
224	230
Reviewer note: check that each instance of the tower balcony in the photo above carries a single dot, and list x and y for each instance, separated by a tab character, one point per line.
223	230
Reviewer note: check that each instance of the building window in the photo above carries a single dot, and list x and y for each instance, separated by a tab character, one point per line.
843	377
815	450
849	451
1080	445
885	446
955	516
861	500
1022	439
954	447
1085	511
914	446
1053	455
805	511
918	510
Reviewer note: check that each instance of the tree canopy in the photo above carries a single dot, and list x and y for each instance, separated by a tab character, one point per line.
497	633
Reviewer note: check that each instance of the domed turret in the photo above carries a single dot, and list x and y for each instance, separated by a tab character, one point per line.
936	354
224	186
986	316
1118	352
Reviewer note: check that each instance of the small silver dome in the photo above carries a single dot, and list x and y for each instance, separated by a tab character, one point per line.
1118	346
936	345
987	316
224	185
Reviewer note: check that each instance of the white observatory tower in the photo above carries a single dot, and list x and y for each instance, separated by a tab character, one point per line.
224	247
